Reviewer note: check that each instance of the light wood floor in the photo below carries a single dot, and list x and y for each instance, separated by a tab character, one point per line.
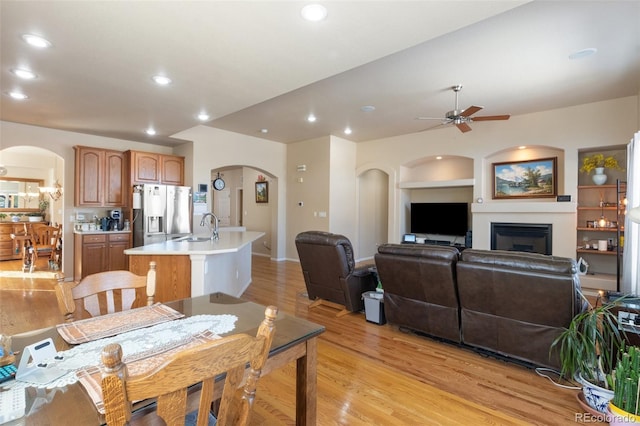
367	374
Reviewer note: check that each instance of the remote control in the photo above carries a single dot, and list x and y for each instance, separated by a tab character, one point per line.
12	404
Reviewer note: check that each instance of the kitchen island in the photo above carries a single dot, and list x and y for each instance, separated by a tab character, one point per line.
193	266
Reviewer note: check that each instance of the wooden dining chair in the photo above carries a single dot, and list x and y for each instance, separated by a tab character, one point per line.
169	381
104	292
46	240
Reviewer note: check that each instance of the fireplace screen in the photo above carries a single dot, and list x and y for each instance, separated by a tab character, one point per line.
527	237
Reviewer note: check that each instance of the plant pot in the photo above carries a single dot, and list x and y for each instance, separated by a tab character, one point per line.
597	397
618	416
599	178
35	218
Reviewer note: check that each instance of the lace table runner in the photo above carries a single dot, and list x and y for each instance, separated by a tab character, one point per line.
91	377
116	323
136	344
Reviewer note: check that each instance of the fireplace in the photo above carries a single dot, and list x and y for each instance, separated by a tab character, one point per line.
527	237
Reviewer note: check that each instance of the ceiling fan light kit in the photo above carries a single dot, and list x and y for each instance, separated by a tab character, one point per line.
462	118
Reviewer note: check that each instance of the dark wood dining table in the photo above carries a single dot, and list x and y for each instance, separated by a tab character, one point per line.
295	340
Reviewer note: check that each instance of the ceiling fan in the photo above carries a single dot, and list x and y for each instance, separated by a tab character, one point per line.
462	118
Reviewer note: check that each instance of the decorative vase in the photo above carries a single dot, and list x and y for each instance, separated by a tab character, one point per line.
619	417
598	398
599	178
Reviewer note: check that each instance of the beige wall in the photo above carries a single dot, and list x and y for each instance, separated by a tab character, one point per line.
564	131
342	188
308	193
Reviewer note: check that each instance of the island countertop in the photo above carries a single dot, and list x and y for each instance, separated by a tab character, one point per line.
229	241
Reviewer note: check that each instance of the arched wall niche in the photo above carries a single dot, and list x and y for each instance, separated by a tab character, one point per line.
437	168
523	153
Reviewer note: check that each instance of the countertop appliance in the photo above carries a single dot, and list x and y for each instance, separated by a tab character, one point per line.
165	214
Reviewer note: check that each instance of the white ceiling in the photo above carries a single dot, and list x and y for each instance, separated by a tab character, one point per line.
257	64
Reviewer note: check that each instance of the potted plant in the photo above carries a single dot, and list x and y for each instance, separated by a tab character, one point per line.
35	217
623	407
597	163
588	351
2	217
43	206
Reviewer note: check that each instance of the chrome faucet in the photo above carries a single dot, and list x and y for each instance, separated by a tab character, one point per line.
216	224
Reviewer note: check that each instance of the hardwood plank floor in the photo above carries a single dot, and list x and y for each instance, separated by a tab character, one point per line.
367	374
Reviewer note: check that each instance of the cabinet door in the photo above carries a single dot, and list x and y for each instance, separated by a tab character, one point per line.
94	258
172	170
115	189
89	177
118	243
145	167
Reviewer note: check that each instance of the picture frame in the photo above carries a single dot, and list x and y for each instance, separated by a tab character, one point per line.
262	192
525	179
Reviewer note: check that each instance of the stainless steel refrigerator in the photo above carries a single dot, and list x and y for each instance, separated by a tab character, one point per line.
164	212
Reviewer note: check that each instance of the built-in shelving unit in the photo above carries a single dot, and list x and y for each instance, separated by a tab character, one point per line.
600	224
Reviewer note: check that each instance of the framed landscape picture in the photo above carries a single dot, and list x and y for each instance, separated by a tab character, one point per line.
262	192
525	179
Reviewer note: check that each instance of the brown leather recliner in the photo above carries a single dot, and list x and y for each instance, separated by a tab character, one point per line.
516	304
420	290
329	269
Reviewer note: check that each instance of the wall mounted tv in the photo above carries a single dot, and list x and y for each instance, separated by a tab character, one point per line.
439	218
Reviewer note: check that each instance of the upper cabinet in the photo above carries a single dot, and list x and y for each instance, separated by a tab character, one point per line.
147	167
100	178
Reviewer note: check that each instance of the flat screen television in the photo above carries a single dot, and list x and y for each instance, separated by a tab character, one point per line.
439	218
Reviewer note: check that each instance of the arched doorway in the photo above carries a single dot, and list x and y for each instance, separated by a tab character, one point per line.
34	163
236	204
373	207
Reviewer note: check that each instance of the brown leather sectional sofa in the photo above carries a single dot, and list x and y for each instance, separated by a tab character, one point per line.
510	304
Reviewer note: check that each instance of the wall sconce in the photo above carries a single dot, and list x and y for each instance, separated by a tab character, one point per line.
55	191
301	168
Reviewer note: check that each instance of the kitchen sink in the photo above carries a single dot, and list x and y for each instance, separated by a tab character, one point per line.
194	239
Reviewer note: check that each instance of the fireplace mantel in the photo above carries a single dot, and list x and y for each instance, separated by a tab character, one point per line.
524	207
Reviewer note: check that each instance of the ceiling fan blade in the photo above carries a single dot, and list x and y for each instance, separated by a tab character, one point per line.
464	127
471	110
491	117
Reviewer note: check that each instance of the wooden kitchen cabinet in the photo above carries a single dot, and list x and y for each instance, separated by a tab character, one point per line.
9	248
172	170
147	167
100	178
100	252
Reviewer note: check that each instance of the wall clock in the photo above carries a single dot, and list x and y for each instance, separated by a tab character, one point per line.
218	183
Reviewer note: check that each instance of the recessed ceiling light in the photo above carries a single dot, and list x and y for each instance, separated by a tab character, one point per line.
23	73
314	12
522	147
18	95
439	157
36	41
150	131
264	130
203	116
368	108
583	53
347	131
161	80
311	118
